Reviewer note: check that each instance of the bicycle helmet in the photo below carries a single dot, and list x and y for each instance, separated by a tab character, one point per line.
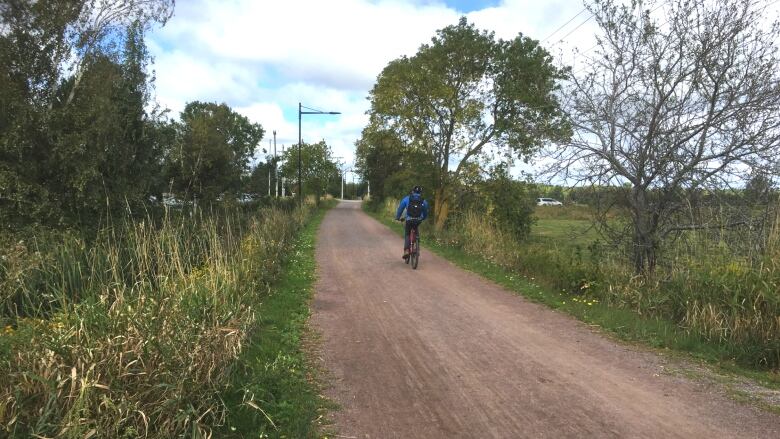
417	190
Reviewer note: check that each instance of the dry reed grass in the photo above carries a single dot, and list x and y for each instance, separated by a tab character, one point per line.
146	347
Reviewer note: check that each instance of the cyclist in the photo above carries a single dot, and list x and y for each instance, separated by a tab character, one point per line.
416	212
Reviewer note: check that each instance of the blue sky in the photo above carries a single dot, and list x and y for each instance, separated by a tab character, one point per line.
262	57
470	5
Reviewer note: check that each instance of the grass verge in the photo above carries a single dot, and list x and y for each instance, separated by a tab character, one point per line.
273	393
625	324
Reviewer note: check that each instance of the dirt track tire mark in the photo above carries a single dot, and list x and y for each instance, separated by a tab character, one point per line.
438	352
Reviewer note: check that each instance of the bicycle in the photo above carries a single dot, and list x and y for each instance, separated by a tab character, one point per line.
414	246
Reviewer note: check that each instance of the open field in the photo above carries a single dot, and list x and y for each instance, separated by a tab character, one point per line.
720	305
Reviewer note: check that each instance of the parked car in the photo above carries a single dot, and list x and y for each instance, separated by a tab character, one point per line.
548	202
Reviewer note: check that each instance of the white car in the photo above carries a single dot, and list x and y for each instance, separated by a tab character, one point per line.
548	202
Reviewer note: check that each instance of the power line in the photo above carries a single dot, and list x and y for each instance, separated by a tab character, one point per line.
656	8
596	45
662	25
578	26
565	24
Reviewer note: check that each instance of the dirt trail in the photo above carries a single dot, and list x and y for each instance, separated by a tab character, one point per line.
441	353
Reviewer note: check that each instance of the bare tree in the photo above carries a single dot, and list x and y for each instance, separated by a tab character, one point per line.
671	106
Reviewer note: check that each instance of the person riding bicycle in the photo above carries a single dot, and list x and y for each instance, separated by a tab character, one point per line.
416	212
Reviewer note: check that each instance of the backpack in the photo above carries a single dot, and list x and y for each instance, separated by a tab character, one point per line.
415	207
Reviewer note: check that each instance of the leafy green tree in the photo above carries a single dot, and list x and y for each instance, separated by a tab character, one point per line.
317	170
512	202
464	92
73	93
212	151
379	158
256	181
759	188
104	151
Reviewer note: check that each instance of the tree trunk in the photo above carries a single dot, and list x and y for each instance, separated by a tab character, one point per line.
645	239
441	207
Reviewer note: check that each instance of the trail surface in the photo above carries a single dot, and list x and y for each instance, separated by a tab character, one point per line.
441	353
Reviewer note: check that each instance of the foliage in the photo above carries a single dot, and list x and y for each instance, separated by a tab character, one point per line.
213	149
462	94
75	140
512	203
318	168
672	109
272	393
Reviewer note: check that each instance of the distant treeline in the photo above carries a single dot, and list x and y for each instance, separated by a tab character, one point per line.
81	138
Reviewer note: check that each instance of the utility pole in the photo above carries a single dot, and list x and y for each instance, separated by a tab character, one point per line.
282	174
276	173
341	174
344	179
269	170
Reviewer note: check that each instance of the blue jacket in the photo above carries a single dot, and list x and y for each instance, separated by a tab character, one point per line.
405	202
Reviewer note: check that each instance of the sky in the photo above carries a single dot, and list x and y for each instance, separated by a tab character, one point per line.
263	57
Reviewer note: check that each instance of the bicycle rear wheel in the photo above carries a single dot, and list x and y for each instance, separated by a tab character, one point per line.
415	256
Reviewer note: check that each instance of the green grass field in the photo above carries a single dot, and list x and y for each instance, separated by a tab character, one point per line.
564	232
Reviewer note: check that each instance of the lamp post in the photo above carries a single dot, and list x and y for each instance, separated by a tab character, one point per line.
301	113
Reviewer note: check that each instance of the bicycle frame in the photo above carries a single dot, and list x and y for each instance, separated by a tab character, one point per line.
414	244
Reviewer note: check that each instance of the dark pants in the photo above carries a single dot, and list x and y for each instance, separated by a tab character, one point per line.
408	228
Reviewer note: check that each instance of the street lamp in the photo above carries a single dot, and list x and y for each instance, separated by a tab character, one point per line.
300	113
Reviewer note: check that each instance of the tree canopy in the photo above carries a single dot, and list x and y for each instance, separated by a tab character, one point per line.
75	134
464	92
318	167
212	151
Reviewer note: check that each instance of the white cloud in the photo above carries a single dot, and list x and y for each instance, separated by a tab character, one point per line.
262	57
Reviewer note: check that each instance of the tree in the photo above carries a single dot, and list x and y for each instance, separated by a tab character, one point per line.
61	64
52	40
212	152
671	108
512	202
759	188
257	181
466	91
318	167
393	168
103	150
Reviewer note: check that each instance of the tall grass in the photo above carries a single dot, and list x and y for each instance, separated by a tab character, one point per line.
133	335
708	290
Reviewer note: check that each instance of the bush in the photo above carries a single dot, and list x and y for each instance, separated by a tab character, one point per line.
512	203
